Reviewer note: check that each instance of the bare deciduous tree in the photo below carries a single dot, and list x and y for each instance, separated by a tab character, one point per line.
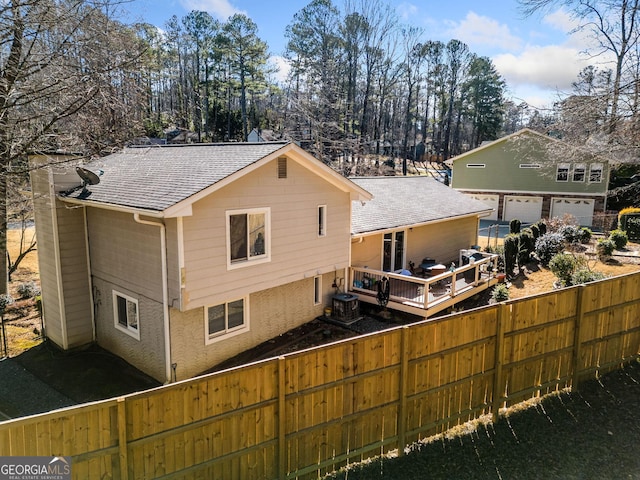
58	58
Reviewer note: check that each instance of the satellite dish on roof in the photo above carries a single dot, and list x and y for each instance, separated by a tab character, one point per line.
88	177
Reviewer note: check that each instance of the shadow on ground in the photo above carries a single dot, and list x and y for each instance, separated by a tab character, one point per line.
44	378
591	433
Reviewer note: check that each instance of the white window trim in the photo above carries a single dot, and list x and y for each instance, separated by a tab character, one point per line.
132	332
530	165
579	166
563	166
210	339
394	241
267	233
317	290
596	167
322	210
476	165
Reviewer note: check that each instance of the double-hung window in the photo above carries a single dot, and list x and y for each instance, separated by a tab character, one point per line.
595	173
562	174
247	236
579	172
125	314
224	319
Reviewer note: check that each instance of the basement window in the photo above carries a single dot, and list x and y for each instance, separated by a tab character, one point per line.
226	319
125	314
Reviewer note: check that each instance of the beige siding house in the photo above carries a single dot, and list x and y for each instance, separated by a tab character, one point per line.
183	256
408	220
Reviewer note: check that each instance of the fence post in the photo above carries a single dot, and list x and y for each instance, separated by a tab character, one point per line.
282	440
122	438
576	338
503	311
402	390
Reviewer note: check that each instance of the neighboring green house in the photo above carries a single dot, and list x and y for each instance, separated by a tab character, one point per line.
529	176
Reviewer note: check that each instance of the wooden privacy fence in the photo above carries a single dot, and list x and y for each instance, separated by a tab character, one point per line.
310	412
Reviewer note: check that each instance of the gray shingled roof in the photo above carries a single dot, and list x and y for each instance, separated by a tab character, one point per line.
406	201
157	177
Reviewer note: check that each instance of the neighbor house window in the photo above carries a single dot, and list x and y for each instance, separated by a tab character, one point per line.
248	236
579	172
322	220
226	318
125	313
317	290
562	174
595	173
475	165
530	165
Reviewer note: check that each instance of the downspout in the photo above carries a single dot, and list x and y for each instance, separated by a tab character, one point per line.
165	291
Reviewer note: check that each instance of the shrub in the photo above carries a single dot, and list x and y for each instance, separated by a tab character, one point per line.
510	253
605	247
28	290
500	293
514	226
535	230
619	238
584	275
633	228
5	300
526	246
563	266
571	233
542	227
548	245
585	235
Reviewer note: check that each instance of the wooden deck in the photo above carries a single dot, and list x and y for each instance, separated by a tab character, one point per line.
425	296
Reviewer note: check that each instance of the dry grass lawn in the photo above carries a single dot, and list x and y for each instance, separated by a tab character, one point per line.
22	320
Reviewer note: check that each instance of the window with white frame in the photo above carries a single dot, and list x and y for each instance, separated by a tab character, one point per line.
579	172
322	220
225	319
125	314
530	165
317	290
248	236
562	174
595	173
475	165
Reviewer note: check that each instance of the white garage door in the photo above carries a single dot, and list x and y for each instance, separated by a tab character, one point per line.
492	201
525	209
581	208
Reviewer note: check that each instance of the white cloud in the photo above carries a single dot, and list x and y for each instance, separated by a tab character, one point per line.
406	11
283	67
222	9
481	31
552	68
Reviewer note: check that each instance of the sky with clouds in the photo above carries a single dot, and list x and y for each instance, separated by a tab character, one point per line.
536	56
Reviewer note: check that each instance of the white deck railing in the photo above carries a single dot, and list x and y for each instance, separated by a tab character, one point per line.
426	292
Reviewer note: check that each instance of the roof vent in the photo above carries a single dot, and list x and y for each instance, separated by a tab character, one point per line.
282	167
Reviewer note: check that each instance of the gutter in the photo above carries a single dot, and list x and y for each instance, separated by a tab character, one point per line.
165	291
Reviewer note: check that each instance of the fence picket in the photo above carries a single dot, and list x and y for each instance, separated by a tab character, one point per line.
310	412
